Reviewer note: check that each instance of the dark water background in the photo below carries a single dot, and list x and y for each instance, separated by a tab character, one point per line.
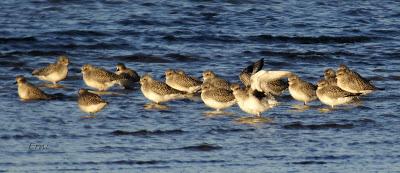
302	36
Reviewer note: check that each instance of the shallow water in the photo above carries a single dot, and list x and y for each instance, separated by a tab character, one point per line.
304	37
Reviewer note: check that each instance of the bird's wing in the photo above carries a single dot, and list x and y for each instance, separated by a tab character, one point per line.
163	89
257	66
45	70
222	95
102	75
267	76
245	78
253	68
188	81
277	85
90	99
335	91
36	93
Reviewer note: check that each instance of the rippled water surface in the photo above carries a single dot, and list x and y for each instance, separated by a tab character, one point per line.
151	36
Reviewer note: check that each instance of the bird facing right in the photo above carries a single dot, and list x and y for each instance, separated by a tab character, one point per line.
89	102
301	90
332	95
53	72
352	81
99	78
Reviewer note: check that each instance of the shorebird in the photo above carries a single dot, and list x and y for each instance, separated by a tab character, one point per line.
301	90
157	91
216	81
217	98
353	82
89	102
179	80
27	91
53	72
252	102
99	78
330	76
129	76
274	87
332	95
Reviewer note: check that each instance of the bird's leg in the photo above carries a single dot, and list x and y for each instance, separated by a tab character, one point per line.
155	105
91	115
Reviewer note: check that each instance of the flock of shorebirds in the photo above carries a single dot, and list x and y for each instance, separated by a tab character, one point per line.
258	93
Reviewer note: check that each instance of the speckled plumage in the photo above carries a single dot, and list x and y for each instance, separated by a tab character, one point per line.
276	87
330	76
128	76
352	81
217	98
89	102
99	78
179	80
211	78
53	72
333	95
27	91
157	91
302	90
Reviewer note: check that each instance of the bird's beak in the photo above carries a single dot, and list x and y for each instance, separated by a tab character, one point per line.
321	76
163	76
15	82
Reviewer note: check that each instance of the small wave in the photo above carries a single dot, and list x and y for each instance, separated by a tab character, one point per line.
142	22
6	40
131	162
223	131
204	38
364	121
330	157
300	126
147	132
89	46
21	136
308	54
80	33
202	147
393	77
309	163
11	64
36	53
311	40
141	58
181	58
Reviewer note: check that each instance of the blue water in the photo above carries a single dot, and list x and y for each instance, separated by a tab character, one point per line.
301	36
